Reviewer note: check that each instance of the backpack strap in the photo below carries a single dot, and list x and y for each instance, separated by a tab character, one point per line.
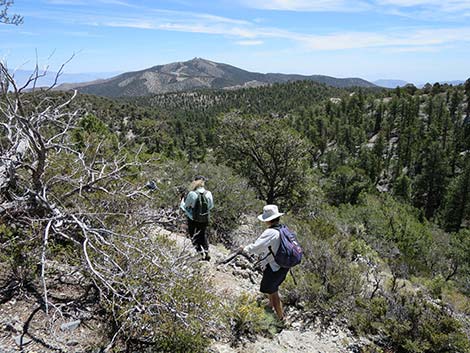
271	252
264	258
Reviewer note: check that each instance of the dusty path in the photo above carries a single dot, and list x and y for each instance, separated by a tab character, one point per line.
231	281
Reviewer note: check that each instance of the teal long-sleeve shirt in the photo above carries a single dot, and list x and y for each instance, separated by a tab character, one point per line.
187	204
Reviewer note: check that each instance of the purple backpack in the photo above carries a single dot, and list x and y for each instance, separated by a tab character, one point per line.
290	252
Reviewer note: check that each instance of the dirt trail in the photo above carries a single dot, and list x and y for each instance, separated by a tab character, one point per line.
231	281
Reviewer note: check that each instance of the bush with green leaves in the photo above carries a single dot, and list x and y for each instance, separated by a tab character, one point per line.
247	319
394	230
155	296
327	278
19	253
345	185
410	245
410	323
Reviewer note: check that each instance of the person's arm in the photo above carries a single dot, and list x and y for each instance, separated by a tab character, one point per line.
190	200
182	204
187	204
262	243
210	200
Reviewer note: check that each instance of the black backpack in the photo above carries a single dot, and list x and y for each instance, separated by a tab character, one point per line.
201	208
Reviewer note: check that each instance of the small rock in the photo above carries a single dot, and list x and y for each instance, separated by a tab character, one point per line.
70	326
21	340
296	325
14	325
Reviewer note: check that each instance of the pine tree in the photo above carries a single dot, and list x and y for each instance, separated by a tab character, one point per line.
457	206
430	184
467	92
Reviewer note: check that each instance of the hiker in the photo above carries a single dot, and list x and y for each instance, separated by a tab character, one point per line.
273	274
197	206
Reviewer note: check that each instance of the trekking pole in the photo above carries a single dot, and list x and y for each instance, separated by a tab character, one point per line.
233	256
229	258
292	274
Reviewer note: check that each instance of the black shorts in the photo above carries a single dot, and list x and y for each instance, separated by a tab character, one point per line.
272	280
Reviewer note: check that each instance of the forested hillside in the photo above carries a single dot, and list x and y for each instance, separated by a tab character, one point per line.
376	183
407	142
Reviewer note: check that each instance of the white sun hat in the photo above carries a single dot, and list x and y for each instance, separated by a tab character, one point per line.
270	212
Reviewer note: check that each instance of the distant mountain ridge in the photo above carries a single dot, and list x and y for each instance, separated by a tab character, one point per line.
48	78
196	74
390	83
393	83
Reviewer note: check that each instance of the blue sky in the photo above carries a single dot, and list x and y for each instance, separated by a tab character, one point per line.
413	40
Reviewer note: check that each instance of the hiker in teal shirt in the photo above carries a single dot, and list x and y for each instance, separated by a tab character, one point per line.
197	206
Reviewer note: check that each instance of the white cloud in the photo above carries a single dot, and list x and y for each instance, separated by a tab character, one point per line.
426	9
249	42
413	49
87	3
411	40
127	23
66	2
217	18
244	32
308	5
450	10
447	6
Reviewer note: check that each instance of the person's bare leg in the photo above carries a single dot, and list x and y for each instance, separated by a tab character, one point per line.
270	303
277	305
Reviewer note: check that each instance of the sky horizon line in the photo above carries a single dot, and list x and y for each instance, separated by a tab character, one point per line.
111	74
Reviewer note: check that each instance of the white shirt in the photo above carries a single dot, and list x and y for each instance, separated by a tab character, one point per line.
270	237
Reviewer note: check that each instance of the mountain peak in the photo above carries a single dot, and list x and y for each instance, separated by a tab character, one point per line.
198	73
196	58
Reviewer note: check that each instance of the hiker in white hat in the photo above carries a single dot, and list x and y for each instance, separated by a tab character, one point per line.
273	274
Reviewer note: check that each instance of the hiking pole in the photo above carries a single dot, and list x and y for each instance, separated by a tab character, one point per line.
292	274
232	256
229	258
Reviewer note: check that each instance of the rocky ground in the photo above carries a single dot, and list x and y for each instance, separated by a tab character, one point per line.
78	328
235	278
24	327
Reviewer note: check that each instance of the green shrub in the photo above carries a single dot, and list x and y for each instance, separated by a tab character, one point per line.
246	318
394	231
345	185
458	301
410	323
327	279
162	303
436	286
20	252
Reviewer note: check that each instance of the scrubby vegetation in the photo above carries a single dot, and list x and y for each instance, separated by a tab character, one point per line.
376	184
